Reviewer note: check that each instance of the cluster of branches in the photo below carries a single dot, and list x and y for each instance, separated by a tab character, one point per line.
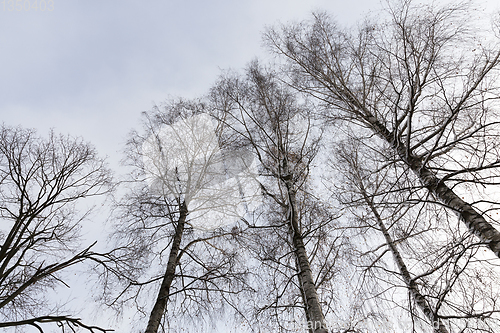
41	179
278	258
355	179
415	100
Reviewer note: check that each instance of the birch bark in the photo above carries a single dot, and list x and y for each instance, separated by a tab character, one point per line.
403	269
161	301
314	314
474	220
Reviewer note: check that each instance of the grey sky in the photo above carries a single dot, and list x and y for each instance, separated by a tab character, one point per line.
90	67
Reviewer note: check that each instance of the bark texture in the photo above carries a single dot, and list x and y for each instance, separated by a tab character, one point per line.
355	76
403	269
314	314
474	220
161	301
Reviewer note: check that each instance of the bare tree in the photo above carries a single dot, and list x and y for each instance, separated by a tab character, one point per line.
41	181
424	82
296	235
170	239
442	268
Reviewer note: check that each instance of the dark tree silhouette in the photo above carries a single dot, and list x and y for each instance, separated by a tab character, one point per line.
41	181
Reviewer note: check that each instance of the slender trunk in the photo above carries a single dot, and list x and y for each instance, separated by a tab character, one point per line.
422	303
314	314
304	300
472	218
161	301
304	297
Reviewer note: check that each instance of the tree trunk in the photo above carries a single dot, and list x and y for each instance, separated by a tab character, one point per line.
161	302
437	324
314	314
472	218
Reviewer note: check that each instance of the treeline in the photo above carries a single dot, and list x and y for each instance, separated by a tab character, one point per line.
349	186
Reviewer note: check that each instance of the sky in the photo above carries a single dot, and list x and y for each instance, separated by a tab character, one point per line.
89	68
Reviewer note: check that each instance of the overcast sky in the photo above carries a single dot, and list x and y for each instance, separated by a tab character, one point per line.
90	67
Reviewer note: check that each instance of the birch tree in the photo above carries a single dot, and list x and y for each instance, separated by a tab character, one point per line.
174	225
425	83
443	270
267	117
